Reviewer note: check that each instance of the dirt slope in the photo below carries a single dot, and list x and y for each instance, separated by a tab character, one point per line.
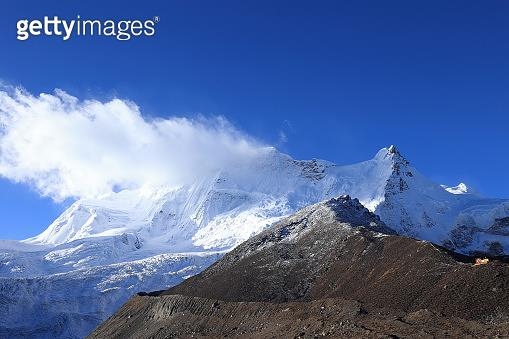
331	269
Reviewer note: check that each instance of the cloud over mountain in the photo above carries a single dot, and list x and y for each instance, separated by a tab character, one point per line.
66	147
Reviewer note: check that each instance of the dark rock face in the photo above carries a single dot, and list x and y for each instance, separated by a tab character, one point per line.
331	269
500	227
495	249
463	235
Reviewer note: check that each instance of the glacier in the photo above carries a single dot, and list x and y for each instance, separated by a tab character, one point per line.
65	281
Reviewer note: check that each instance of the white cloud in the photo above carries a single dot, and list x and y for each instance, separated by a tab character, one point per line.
65	147
283	138
284	132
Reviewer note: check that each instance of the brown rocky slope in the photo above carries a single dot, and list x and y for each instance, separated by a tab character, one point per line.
331	269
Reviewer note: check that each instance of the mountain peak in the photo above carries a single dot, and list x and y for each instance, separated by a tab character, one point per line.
393	150
342	209
392	153
461	188
396	155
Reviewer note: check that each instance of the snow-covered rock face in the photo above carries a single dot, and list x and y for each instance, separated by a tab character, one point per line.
65	281
342	215
453	217
224	209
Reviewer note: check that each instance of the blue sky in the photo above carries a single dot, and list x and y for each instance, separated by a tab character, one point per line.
340	79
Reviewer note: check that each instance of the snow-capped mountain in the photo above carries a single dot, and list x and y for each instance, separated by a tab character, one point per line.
65	281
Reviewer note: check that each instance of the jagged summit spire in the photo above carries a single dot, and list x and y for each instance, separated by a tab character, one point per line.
393	153
396	155
393	150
